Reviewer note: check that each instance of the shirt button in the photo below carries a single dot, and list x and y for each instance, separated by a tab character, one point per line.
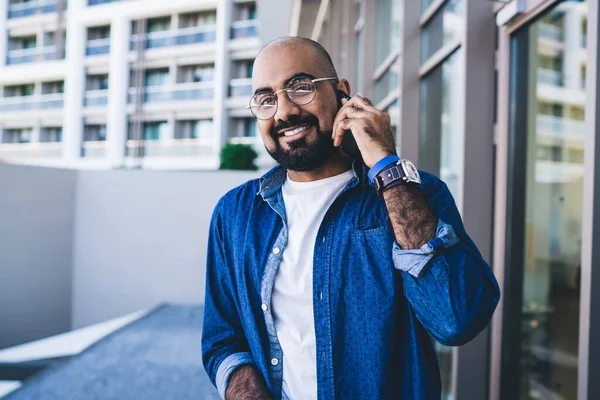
274	361
276	250
323	240
264	307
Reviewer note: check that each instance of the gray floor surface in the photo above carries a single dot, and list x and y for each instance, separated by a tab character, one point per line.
156	357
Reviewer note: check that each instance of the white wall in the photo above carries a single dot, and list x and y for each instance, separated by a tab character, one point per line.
140	239
36	236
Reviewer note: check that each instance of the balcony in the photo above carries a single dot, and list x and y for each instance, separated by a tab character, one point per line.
561	128
176	92
30	8
94	98
172	147
93	149
97	47
31	150
551	32
23	56
549	76
240	87
177	37
35	102
244	29
97	2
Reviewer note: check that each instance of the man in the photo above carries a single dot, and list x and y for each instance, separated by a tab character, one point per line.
327	277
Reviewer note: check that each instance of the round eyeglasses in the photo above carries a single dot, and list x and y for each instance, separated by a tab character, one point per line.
300	91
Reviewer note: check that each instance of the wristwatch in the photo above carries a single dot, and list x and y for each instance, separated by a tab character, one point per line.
403	172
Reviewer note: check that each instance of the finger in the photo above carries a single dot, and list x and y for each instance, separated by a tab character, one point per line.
350	111
365	104
342	128
354	125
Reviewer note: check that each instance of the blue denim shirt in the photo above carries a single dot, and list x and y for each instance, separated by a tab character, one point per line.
376	306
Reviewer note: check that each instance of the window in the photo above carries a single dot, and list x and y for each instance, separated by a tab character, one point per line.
98	32
444	27
389	18
156	77
388	82
48	135
94	133
154	130
19	90
250	127
194	129
97	82
190	20
158	24
53	87
544	218
17	136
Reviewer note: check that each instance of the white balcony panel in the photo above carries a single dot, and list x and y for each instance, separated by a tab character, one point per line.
35	102
30	150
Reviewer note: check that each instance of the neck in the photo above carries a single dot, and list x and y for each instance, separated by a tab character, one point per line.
337	164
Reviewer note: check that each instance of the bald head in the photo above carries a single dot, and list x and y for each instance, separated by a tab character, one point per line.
320	56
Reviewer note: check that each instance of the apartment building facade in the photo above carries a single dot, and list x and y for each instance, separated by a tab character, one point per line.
140	83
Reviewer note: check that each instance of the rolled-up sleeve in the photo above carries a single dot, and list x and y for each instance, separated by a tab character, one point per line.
450	287
415	260
227	367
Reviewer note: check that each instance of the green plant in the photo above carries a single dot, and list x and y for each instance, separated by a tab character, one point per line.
238	157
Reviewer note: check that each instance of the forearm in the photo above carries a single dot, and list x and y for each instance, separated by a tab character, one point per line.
246	382
412	220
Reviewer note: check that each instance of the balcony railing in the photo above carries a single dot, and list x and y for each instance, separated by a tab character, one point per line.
22	56
96	47
93	149
177	37
251	140
176	92
240	87
172	147
244	29
31	150
551	32
35	102
549	76
96	2
94	98
35	7
559	127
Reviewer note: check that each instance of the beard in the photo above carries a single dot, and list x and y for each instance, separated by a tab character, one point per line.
302	156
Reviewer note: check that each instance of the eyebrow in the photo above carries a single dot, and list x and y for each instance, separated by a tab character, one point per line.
285	83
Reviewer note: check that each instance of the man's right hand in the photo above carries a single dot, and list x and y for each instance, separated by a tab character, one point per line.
246	383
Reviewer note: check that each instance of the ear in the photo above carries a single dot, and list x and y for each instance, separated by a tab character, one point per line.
344	86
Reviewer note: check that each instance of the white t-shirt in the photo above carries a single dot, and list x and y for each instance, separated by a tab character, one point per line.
292	301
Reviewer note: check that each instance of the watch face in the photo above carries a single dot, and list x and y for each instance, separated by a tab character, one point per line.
412	175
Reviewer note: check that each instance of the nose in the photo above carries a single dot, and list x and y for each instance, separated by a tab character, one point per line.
285	108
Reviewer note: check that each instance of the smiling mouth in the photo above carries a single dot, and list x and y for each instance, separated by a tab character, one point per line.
295	131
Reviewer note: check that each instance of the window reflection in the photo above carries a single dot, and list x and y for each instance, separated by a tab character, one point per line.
551	266
447	25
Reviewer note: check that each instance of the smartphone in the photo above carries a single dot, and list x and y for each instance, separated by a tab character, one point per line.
349	145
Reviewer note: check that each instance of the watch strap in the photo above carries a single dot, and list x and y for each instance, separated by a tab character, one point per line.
380	165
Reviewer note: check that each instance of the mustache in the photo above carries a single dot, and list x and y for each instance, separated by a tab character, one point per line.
294	120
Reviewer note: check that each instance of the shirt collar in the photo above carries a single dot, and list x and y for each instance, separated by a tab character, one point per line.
272	181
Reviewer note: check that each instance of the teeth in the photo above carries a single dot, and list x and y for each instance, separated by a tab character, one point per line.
295	131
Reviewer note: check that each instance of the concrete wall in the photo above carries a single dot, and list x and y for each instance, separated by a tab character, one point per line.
140	239
36	236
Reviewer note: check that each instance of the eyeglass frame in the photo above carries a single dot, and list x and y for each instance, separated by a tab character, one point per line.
313	81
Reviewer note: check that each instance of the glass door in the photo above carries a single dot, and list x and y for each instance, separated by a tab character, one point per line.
544	207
